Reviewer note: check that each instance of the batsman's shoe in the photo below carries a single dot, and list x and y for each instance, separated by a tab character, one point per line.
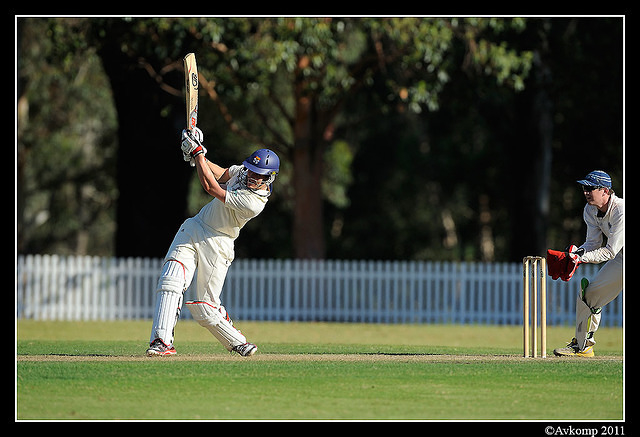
157	348
572	350
246	350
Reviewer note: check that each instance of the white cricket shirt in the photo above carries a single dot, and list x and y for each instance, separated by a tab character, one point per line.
240	206
610	225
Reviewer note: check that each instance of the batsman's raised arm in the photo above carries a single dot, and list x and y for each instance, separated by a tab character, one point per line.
211	175
220	173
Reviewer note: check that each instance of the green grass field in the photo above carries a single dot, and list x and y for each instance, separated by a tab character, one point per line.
311	371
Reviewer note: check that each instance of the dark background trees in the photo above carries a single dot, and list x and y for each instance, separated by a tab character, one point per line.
400	138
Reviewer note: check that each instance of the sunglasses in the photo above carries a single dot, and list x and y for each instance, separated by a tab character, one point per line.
589	188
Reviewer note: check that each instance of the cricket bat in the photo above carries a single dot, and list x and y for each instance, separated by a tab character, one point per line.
191	87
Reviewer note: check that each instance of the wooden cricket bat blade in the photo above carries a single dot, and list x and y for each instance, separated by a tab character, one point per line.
191	87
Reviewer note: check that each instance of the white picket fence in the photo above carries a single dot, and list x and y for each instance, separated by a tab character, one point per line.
53	287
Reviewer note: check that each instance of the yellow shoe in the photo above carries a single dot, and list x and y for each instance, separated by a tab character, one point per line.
572	350
587	352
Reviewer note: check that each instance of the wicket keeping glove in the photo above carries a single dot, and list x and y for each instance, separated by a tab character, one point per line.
192	145
574	255
563	264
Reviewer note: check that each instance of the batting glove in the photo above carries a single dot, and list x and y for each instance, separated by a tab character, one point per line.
192	145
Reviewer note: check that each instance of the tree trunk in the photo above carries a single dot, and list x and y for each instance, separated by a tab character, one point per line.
152	177
308	229
543	116
532	173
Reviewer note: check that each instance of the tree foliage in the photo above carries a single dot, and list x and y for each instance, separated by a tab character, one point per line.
400	138
286	82
66	187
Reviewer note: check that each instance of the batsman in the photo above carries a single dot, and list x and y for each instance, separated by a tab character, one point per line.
604	217
203	247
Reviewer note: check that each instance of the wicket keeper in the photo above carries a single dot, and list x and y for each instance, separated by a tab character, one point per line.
604	216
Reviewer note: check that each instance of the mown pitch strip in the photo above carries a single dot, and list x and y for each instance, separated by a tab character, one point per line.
362	357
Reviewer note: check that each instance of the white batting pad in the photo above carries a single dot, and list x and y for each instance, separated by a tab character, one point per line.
172	277
216	321
165	316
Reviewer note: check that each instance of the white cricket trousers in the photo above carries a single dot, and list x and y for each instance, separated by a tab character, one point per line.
607	283
602	289
199	251
205	253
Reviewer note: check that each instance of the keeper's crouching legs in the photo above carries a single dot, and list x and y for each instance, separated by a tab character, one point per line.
587	322
216	320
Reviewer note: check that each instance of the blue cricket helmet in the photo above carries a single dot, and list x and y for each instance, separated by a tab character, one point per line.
264	162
